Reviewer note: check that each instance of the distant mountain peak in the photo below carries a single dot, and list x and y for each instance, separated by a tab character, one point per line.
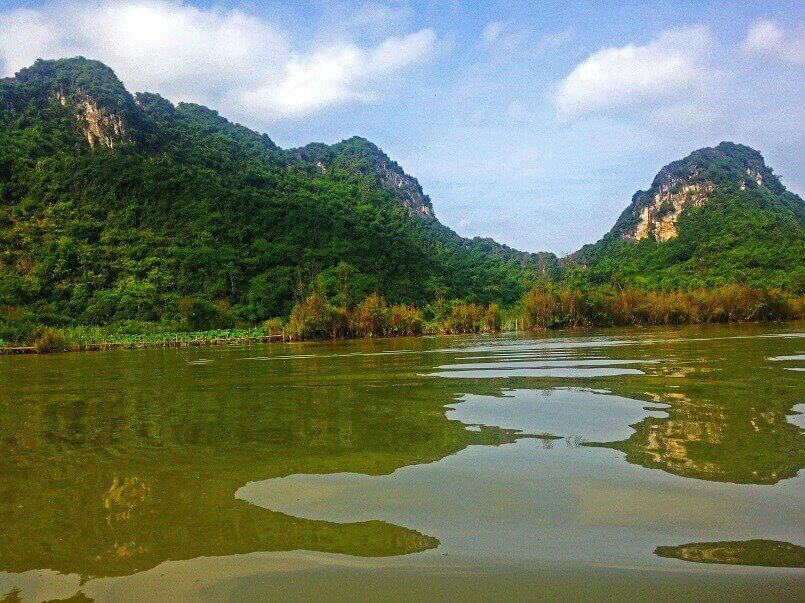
367	159
717	216
691	182
101	105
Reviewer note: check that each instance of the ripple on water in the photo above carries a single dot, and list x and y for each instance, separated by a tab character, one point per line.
798	357
570	373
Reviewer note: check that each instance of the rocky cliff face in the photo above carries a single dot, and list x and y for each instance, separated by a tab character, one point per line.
99	126
409	190
659	216
718	215
86	91
691	182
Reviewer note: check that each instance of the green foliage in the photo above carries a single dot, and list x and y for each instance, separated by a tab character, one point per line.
178	219
51	340
494	318
274	326
317	317
744	233
187	205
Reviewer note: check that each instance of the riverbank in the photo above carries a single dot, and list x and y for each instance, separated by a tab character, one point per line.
140	344
213	338
54	340
546	307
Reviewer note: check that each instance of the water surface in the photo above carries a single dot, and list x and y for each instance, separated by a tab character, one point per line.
606	464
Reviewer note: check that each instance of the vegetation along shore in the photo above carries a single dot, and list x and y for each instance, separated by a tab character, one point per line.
317	316
128	221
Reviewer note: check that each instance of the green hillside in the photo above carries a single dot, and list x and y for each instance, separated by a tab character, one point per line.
117	207
718	216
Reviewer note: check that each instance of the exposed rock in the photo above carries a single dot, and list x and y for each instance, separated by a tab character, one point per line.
710	213
391	176
99	126
363	157
659	217
691	182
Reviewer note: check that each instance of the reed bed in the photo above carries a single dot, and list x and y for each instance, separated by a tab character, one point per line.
546	306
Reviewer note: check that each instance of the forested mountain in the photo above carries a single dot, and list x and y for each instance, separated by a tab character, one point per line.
116	206
720	215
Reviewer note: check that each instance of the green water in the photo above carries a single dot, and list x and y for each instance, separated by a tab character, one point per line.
646	463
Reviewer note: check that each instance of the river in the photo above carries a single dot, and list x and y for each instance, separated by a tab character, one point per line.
635	463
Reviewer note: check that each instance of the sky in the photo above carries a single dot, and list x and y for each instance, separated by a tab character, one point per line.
530	122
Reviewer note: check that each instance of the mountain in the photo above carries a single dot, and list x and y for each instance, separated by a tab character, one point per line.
719	215
116	207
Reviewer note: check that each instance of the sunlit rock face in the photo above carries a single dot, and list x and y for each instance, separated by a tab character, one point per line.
660	216
411	194
100	127
692	182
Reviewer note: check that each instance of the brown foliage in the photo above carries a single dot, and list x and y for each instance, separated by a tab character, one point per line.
552	307
51	340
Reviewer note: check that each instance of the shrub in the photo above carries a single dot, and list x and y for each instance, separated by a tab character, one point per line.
493	318
51	340
540	309
274	326
547	307
796	307
312	318
197	314
405	321
224	318
465	318
371	317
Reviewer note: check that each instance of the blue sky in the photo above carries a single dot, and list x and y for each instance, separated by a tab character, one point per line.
531	122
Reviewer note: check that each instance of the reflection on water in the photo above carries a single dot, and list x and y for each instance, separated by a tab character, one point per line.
766	553
561	412
467	451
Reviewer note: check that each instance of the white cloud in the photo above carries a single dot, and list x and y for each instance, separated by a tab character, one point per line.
673	66
766	38
210	56
492	32
23	33
337	74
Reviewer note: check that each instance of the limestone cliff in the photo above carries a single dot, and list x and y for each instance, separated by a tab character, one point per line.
691	182
99	126
79	91
718	215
